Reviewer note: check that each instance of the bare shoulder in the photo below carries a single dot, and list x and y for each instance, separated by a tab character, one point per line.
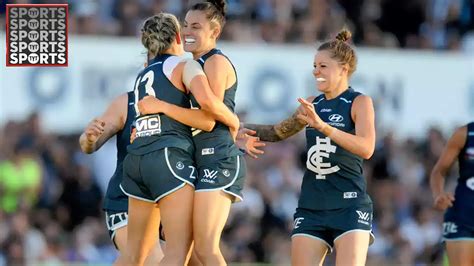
120	102
116	112
178	70
218	61
459	137
177	75
363	99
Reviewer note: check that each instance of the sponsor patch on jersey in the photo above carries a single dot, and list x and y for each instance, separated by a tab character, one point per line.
325	110
350	195
334	124
148	126
207	151
336	118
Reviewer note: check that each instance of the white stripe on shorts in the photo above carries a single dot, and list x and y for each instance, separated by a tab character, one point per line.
171	169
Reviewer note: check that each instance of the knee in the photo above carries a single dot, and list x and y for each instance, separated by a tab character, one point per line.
177	255
206	251
135	259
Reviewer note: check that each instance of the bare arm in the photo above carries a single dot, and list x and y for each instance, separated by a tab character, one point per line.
211	97
191	117
363	142
444	163
280	131
104	127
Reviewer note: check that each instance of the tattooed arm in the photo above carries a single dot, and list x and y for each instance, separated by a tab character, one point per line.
280	131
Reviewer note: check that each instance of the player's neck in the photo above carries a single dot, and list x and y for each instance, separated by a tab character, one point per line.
174	50
197	55
341	87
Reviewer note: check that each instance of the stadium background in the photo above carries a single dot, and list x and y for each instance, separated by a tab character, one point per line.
416	59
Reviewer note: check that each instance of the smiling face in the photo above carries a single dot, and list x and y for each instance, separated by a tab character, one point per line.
328	72
199	34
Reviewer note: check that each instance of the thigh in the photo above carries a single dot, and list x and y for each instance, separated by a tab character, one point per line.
351	248
460	252
352	231
117	222
307	250
211	210
143	225
459	241
310	240
120	238
176	216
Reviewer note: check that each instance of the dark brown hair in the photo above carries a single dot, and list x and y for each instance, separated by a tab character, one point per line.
215	10
341	51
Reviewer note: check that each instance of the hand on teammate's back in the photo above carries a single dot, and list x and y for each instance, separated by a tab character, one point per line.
443	201
150	105
94	130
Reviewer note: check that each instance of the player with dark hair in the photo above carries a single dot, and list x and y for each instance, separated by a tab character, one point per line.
458	226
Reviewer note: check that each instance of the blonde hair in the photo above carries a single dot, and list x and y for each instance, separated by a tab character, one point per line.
341	51
159	32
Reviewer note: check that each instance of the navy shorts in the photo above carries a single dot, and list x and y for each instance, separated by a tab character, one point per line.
455	229
226	174
114	221
154	175
329	225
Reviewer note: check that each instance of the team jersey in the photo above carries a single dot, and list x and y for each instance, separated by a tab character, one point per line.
158	131
464	194
217	144
333	177
115	199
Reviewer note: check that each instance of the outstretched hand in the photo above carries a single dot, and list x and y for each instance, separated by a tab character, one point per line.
252	145
308	114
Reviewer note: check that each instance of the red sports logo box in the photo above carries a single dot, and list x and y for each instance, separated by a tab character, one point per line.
37	34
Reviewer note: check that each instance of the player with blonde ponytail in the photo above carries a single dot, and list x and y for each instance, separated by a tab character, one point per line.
334	209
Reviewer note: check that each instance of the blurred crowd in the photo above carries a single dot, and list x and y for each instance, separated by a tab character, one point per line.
51	195
425	24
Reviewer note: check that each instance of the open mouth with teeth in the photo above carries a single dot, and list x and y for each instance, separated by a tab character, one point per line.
188	40
320	79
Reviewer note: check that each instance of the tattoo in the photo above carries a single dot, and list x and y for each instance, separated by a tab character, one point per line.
280	131
264	132
289	126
